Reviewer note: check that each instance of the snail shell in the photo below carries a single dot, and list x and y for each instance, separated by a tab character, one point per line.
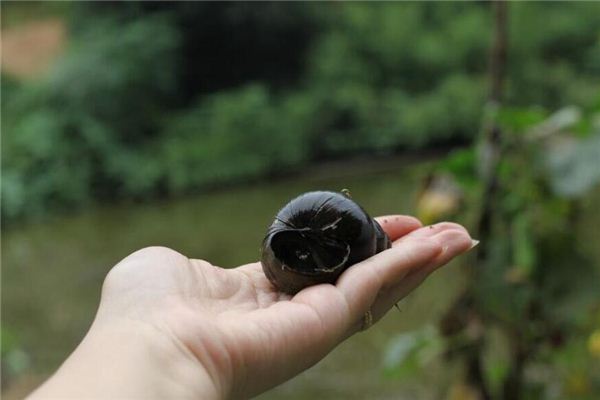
315	237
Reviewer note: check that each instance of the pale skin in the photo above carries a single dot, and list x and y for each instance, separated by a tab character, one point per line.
172	327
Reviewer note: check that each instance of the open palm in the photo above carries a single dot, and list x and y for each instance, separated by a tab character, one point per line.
249	337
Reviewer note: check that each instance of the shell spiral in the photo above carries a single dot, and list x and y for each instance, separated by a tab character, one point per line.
315	237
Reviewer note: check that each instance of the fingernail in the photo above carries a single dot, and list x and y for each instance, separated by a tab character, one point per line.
473	243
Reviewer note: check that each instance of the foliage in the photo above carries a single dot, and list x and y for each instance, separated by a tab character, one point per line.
538	288
14	359
233	135
76	135
412	350
159	98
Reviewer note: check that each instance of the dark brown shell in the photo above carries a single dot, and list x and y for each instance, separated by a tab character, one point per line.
315	237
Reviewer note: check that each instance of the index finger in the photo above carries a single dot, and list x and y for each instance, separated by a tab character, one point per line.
396	226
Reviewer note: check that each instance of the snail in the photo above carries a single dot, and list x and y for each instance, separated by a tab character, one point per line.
316	237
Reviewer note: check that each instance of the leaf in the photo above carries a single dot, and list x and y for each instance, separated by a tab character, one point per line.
594	344
408	352
520	119
562	119
462	391
524	253
573	165
461	165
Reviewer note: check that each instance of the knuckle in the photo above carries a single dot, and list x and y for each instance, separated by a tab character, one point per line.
152	252
128	268
446	225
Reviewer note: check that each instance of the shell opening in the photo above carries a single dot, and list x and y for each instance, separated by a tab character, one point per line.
308	252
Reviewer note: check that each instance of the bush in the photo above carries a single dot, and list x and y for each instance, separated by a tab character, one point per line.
233	135
160	97
77	134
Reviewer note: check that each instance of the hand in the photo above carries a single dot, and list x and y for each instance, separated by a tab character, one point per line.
169	326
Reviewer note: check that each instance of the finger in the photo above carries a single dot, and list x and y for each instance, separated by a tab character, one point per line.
340	307
388	299
396	226
431	230
368	281
454	242
391	266
361	283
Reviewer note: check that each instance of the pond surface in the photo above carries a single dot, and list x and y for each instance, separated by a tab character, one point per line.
53	272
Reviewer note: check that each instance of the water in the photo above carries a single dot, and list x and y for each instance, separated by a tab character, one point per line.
53	272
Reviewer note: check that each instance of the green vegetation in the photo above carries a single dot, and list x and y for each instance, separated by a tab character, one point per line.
160	99
530	299
157	100
535	290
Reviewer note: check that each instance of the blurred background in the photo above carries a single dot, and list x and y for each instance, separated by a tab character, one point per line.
190	124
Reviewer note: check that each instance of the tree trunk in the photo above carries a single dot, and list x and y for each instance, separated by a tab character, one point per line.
489	159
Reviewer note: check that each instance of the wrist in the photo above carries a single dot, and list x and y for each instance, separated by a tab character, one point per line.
130	359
